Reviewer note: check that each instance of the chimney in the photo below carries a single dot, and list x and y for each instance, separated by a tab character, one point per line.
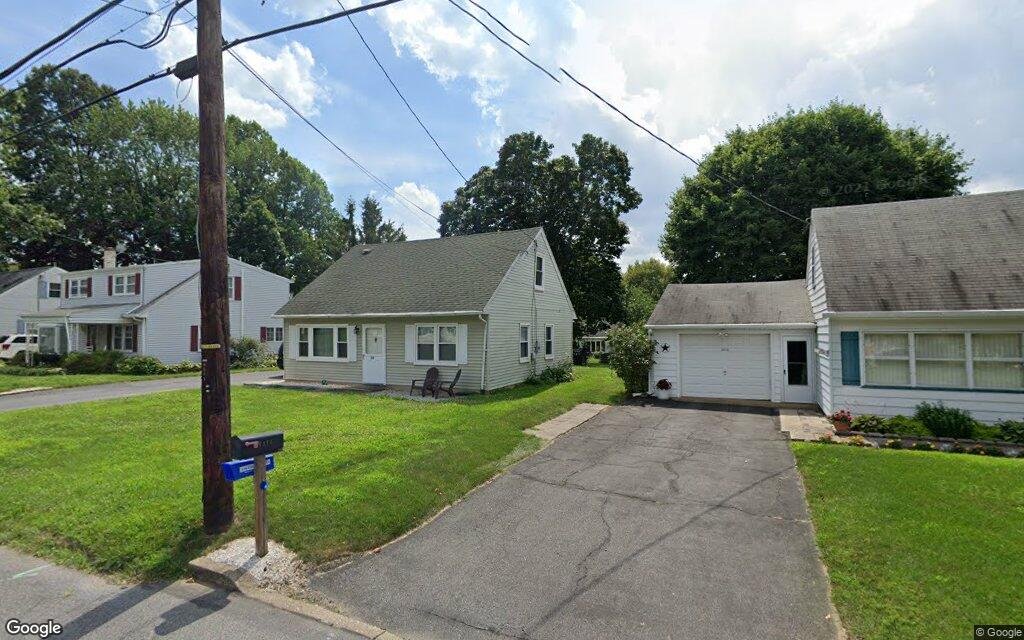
109	258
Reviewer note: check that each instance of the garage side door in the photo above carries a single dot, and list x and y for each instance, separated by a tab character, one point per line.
732	366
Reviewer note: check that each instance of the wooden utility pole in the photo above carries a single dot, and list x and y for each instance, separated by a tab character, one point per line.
218	496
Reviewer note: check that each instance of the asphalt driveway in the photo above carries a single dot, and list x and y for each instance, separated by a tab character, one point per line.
645	522
72	395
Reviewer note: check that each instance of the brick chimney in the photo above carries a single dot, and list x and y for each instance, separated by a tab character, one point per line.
109	258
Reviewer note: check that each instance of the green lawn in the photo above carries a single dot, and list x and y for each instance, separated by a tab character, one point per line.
115	486
61	381
918	544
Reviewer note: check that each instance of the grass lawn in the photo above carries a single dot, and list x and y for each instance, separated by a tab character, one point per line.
61	381
918	544
115	486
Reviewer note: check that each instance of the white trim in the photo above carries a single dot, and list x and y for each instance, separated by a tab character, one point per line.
376	315
519	342
436	362
883	315
538	258
549	356
128	276
761	325
349	357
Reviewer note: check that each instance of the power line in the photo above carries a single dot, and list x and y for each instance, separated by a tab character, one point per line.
402	96
309	23
504	41
502	24
61	36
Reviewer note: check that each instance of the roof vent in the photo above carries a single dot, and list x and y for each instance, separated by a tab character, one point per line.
367	250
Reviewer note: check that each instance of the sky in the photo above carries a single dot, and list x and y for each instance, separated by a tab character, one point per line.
689	70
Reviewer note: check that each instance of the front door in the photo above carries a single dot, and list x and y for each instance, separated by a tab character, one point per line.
797	371
374	354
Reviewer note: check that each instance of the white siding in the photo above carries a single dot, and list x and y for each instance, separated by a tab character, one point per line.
29	296
985	406
516	301
819	305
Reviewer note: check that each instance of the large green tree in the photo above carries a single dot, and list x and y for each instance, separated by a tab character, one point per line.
578	199
643	283
374	228
840	154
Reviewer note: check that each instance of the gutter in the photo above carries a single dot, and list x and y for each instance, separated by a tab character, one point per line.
403	314
759	325
964	313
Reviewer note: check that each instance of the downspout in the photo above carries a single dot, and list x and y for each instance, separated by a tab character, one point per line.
483	363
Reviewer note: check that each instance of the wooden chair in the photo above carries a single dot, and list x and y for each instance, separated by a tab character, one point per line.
450	389
430	383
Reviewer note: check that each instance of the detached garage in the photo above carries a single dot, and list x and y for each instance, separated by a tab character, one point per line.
743	341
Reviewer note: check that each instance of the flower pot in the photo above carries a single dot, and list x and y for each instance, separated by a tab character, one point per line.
840	426
663	394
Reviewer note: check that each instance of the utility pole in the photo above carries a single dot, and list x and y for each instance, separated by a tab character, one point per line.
218	496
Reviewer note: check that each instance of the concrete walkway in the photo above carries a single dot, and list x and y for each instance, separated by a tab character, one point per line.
656	521
74	395
804	424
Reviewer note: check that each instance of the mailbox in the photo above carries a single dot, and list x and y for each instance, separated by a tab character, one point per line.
238	469
256	445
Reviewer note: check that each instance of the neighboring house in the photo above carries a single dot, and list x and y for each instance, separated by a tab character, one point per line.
598	342
491	304
904	302
26	291
153	309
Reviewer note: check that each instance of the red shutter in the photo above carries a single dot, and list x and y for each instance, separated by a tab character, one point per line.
194	339
238	287
88	287
138	283
263	334
67	288
135	337
110	285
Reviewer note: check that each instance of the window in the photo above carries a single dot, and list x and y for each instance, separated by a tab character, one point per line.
998	360
323	342
303	342
447	337
342	342
78	288
231	288
993	361
538	277
124	285
279	334
425	344
123	337
524	343
549	342
54	290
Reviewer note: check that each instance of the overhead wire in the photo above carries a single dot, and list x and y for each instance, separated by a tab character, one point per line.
504	41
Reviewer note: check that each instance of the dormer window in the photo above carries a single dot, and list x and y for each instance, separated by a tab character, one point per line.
124	285
53	290
538	277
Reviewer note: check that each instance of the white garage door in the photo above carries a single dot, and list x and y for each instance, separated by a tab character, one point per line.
726	366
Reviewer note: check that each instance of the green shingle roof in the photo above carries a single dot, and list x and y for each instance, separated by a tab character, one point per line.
440	275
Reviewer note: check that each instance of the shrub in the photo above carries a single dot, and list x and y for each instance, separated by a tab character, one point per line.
1011	431
945	422
992	450
904	426
868	423
987	432
250	353
555	374
141	366
13	370
604	357
95	362
632	355
184	366
38	359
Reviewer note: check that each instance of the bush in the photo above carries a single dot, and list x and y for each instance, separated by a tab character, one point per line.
13	370
987	432
946	422
141	366
869	423
904	426
185	366
632	355
250	353
38	359
555	374
1011	431
95	362
604	357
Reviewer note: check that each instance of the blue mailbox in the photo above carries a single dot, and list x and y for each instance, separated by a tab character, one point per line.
235	470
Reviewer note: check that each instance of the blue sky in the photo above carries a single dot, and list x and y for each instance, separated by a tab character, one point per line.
689	70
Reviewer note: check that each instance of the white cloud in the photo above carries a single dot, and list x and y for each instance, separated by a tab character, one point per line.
401	207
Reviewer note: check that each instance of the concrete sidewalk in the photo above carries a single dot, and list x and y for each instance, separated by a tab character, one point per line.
74	395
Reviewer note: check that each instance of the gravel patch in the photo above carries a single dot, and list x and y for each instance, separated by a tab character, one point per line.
280	569
391	393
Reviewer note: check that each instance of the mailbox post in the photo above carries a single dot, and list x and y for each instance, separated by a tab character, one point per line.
252	457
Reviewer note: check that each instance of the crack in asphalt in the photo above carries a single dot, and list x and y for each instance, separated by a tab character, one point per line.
477	627
583	564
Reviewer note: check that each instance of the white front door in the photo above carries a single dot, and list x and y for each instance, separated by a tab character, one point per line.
374	354
796	371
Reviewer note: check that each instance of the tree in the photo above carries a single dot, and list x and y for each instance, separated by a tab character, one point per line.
837	155
643	283
632	355
350	218
578	200
374	229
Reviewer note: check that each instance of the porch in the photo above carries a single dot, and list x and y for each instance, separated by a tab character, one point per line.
86	330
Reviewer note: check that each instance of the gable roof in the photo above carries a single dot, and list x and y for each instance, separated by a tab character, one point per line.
439	275
11	279
783	302
937	254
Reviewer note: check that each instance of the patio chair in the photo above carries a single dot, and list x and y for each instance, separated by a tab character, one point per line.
430	383
450	388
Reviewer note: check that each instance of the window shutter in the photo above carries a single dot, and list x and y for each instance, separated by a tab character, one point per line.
138	283
67	288
462	344
850	351
353	343
88	287
110	285
135	338
293	342
410	343
238	287
194	339
263	334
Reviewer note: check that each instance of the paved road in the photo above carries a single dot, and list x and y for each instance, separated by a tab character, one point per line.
645	522
116	390
34	591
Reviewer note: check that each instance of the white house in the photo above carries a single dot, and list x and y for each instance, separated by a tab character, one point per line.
490	308
153	309
27	291
903	302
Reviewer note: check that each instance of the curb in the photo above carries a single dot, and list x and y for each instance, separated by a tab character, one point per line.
222	576
14	392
